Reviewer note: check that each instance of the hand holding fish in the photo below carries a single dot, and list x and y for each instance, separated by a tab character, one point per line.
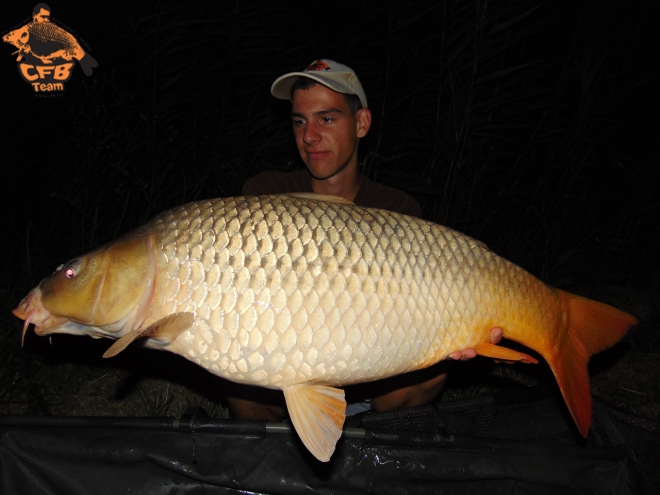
495	336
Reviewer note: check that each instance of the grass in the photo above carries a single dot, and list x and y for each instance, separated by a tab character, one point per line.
526	126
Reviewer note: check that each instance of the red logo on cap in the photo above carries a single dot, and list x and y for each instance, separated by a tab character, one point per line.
318	65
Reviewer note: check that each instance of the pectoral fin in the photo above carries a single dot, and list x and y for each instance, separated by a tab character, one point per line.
497	352
318	413
166	329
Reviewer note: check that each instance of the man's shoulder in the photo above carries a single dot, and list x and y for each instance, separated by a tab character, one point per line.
276	182
375	195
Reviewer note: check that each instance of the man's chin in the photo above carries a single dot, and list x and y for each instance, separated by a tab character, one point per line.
321	171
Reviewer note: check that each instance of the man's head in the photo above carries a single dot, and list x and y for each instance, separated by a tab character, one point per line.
329	116
41	13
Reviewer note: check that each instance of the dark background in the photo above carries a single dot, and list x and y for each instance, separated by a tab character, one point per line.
532	126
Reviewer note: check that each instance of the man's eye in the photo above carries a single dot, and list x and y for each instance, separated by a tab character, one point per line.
327	119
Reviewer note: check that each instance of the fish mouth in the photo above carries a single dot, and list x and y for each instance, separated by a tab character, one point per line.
33	312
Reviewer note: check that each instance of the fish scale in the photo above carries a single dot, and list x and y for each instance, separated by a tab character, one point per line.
338	260
47	31
51	35
304	293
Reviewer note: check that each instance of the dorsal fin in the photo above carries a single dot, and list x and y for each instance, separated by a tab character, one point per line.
329	198
166	329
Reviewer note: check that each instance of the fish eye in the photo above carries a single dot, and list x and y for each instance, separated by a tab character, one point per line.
71	269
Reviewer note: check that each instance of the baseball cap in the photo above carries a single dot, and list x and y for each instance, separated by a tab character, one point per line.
331	74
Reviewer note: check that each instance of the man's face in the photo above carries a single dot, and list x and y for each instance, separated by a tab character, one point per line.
42	16
326	133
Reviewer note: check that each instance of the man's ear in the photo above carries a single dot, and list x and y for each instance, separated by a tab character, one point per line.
363	120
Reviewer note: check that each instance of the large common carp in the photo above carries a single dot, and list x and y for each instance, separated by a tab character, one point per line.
304	293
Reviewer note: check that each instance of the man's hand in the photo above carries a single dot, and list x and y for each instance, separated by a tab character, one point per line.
495	336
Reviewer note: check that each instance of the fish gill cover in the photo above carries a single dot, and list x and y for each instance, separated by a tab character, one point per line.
47	53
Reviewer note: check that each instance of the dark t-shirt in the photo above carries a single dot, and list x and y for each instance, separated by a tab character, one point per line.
371	194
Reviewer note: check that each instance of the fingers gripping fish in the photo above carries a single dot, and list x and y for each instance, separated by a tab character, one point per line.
305	293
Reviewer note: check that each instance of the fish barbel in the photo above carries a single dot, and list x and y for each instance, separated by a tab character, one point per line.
304	293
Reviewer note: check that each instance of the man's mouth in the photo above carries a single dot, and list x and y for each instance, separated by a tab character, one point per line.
317	154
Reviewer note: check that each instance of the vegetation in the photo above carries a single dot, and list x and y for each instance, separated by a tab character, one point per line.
524	124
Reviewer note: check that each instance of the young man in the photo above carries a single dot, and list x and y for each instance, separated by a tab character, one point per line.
329	116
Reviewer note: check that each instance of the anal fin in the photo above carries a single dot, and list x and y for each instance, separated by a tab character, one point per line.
318	413
504	353
166	329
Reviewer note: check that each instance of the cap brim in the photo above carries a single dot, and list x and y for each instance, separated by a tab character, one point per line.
282	86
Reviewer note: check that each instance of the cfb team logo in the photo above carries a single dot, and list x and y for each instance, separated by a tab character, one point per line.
47	53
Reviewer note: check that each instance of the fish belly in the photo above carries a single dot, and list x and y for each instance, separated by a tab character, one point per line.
286	290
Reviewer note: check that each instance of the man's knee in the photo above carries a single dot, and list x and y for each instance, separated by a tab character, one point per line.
248	409
410	396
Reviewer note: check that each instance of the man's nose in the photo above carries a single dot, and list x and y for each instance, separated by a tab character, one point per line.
311	134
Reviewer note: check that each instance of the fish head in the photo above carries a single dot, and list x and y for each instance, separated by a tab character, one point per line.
95	294
18	37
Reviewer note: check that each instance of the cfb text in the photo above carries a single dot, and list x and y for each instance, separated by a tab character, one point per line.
46	77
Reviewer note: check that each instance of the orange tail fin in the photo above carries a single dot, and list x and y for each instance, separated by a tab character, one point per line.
591	327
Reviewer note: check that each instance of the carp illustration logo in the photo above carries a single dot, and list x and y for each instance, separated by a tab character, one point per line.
47	53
